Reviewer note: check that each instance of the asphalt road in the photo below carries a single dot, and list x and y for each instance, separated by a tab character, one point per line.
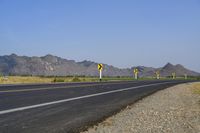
68	107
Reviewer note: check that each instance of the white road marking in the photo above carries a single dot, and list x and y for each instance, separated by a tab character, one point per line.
75	98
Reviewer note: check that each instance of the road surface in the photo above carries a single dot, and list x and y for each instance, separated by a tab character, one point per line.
68	107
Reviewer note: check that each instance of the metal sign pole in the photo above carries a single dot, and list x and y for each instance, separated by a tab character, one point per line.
100	68
185	76
158	75
136	73
136	76
100	75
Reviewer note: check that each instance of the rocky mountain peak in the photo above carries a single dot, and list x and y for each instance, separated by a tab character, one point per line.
179	66
56	66
168	66
86	63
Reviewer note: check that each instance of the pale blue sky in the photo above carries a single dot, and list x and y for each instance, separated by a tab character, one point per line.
122	33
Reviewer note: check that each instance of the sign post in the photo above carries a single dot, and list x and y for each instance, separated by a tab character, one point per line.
100	68
185	76
135	73
174	75
157	74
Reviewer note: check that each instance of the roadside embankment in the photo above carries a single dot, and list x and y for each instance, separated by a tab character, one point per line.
173	110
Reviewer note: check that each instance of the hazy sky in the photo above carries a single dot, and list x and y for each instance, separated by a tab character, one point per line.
122	33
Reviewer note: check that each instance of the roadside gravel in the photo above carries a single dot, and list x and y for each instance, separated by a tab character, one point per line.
173	110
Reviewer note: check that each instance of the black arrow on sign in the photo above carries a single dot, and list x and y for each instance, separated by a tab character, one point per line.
100	66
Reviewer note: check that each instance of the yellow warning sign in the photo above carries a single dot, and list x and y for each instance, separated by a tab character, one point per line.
100	67
135	70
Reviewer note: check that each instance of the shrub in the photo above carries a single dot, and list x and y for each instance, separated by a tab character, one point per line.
58	80
76	79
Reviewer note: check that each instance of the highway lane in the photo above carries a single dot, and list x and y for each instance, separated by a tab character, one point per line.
48	86
28	87
69	108
11	98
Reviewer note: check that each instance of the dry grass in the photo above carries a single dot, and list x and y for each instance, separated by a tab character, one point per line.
196	88
37	79
21	79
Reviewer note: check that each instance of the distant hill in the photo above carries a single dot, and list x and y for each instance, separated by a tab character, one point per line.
179	69
50	65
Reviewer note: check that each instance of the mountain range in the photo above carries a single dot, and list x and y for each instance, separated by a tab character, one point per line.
50	65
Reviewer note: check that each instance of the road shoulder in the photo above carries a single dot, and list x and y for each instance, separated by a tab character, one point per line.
176	110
